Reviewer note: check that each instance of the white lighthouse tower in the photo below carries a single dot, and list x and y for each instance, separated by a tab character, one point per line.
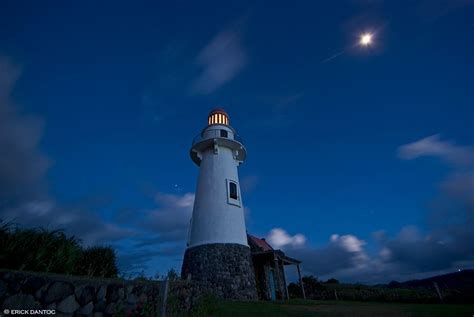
217	253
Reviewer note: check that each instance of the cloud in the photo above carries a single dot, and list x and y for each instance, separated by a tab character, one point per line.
435	251
221	60
171	218
348	242
447	240
163	228
83	223
167	224
444	244
23	168
342	252
279	238
22	164
139	235
434	146
408	255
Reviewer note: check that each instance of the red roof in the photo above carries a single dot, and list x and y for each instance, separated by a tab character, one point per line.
261	243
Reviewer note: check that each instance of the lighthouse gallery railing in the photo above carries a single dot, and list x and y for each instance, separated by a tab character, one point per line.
216	134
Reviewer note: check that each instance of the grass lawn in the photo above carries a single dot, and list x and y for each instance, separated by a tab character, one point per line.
340	309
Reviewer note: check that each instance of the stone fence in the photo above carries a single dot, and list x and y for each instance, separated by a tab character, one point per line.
44	294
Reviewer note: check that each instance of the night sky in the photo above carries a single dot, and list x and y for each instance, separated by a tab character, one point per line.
360	159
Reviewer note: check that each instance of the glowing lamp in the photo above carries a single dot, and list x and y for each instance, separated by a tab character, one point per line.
218	116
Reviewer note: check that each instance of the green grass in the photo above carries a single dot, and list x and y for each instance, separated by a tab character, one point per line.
340	309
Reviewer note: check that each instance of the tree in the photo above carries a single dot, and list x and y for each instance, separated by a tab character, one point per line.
294	290
311	286
394	284
172	275
332	280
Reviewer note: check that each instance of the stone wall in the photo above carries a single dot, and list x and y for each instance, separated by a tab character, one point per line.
222	269
77	296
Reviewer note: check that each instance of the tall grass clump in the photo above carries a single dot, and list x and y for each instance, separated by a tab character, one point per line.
52	251
97	261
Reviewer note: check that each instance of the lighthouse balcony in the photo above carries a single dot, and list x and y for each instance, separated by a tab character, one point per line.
212	138
217	133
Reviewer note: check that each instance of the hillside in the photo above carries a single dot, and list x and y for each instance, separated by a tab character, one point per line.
462	281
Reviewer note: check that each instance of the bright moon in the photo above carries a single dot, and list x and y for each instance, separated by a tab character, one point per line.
366	39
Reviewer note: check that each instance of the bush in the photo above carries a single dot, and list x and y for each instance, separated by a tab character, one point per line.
51	251
97	261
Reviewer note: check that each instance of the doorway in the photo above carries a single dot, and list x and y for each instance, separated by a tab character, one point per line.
271	284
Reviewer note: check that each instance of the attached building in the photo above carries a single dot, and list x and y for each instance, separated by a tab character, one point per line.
269	268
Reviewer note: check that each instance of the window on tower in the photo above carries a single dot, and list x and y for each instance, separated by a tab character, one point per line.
233	195
233	190
224	134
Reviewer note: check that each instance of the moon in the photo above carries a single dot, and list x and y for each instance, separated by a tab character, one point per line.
366	39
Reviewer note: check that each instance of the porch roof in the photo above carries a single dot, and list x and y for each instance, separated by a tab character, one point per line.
275	254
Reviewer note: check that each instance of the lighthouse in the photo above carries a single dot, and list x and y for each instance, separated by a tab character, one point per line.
217	254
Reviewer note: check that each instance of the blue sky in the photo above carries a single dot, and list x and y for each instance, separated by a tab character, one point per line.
356	154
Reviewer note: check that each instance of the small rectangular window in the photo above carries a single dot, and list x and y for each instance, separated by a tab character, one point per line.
224	134
233	190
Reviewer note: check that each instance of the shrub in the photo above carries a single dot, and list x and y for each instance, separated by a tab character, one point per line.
37	250
51	251
97	261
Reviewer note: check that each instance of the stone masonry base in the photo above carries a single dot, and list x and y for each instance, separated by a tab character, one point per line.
223	269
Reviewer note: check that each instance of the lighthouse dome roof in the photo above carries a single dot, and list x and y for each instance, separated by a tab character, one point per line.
218	110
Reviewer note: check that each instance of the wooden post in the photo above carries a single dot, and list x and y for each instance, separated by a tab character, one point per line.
284	279
165	298
277	276
301	281
438	291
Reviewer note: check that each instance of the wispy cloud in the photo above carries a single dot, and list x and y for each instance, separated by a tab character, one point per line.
163	228
221	60
22	163
171	219
451	239
23	167
85	224
434	146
